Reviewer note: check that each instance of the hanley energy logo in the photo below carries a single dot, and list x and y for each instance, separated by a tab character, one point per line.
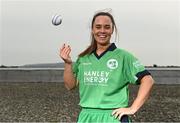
96	77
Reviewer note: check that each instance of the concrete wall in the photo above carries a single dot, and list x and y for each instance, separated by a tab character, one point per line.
160	75
165	75
31	75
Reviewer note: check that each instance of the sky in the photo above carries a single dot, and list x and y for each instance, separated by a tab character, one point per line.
149	29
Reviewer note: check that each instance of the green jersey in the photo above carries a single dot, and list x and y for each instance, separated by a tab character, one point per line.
103	80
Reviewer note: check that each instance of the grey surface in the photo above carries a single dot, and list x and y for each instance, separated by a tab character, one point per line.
51	102
160	75
166	75
31	75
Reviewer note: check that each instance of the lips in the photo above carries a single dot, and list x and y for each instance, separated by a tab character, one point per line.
102	36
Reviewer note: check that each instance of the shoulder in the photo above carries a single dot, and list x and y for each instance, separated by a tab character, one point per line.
82	58
124	53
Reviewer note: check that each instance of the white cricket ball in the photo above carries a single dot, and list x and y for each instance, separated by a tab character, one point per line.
57	20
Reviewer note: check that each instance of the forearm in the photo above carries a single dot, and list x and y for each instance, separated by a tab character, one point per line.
143	93
69	79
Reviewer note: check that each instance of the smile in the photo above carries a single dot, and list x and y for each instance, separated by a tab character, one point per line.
102	36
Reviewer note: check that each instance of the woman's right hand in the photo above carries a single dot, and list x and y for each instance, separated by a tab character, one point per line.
65	54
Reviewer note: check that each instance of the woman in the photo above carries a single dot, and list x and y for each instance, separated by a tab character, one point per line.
103	73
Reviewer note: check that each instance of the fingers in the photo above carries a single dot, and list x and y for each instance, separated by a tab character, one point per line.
114	113
68	51
64	47
120	116
65	50
64	53
118	113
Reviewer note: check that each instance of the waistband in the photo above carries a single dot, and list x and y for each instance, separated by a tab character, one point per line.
96	110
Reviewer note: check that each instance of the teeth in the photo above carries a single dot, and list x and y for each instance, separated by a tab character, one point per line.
102	36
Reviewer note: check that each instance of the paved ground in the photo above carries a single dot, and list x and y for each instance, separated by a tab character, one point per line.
51	102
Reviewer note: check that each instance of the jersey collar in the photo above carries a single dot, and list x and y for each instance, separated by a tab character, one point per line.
110	48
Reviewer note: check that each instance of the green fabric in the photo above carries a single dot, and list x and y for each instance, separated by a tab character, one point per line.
103	83
97	116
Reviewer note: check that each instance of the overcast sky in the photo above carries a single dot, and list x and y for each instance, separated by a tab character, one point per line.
150	29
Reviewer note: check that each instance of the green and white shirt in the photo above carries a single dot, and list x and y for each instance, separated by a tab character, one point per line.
103	80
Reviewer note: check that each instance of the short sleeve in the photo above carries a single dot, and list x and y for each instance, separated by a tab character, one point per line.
135	70
76	68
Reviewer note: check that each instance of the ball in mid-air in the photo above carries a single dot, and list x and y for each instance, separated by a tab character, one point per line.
57	20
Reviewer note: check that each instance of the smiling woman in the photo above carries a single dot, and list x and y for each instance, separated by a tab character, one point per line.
103	73
102	29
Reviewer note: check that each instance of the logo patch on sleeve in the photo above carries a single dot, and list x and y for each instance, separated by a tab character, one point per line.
137	64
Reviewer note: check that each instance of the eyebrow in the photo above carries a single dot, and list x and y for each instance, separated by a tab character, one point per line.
103	25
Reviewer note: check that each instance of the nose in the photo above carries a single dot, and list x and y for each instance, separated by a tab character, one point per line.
102	30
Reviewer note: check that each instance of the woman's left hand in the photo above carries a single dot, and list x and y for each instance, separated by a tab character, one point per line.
118	113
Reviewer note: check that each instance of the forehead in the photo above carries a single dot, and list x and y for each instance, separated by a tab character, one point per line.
102	20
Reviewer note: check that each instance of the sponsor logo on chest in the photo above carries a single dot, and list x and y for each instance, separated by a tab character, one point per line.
99	77
96	77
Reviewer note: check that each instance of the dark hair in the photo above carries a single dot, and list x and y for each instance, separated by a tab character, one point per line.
93	44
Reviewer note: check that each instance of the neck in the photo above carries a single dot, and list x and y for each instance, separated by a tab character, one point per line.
101	48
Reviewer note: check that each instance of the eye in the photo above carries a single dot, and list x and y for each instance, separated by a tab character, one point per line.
107	27
98	27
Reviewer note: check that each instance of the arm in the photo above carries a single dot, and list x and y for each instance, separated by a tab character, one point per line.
143	94
69	79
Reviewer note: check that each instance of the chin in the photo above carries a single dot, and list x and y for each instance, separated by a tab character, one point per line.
103	42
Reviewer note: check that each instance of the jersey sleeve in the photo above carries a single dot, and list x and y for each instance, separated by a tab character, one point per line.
76	68
135	71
